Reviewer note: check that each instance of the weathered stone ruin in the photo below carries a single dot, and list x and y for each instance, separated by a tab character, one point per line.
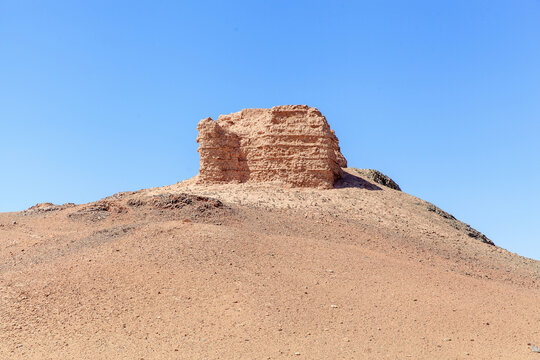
290	144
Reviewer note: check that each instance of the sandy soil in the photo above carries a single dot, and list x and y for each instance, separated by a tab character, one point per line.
261	272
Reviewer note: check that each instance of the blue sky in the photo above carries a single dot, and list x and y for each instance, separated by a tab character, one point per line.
98	97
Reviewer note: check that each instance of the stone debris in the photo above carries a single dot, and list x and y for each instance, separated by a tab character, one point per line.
459	225
377	177
46	207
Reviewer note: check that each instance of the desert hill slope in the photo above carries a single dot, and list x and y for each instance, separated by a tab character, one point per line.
260	271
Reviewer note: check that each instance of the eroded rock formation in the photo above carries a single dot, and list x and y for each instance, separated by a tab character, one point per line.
291	144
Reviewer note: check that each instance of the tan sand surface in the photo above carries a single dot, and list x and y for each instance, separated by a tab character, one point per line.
261	272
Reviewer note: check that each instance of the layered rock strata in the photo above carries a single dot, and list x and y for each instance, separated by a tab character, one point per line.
290	144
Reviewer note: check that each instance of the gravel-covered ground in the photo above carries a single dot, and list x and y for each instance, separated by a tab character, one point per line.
260	272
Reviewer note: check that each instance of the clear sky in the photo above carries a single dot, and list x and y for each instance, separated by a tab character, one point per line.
98	97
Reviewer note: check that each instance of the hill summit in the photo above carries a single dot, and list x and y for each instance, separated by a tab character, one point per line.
290	144
264	255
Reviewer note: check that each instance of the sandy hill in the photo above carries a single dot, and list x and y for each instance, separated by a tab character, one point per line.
252	270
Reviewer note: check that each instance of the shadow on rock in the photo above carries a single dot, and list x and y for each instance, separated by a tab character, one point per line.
353	181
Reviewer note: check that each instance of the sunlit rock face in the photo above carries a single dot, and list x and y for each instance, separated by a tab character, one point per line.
289	144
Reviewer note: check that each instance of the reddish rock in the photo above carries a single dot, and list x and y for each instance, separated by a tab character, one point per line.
291	144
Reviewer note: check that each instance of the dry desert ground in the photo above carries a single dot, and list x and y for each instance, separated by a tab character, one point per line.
260	271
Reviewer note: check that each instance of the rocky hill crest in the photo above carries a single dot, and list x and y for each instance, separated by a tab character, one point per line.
290	144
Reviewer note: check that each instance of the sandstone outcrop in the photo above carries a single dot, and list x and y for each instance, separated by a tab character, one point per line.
290	144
